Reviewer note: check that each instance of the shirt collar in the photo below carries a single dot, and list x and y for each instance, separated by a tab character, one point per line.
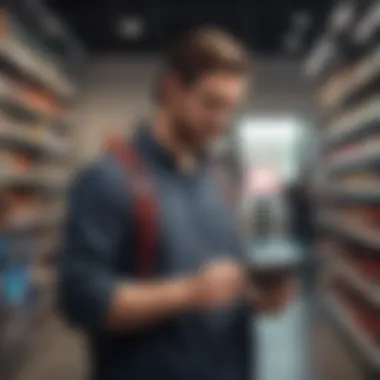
149	146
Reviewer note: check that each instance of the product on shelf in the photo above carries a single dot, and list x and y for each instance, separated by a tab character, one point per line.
367	316
369	267
343	153
357	77
20	163
334	88
24	209
367	215
14	163
362	260
34	94
358	180
22	51
350	222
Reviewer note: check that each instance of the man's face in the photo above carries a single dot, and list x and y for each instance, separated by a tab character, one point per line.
203	109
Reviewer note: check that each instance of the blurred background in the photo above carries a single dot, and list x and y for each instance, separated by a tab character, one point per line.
304	154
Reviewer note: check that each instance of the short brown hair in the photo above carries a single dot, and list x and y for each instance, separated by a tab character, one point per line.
3	206
207	49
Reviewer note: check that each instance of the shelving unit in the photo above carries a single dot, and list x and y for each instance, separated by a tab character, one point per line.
346	64
38	83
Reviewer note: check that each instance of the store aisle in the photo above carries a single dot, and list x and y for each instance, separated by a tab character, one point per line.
282	342
63	359
281	351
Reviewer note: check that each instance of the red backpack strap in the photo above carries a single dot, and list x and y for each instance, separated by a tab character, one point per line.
144	207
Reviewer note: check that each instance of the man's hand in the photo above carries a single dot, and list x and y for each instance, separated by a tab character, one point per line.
138	304
274	299
219	284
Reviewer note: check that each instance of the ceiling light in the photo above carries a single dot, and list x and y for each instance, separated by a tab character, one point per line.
132	28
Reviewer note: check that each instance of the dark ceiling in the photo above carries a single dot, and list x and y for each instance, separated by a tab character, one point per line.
151	25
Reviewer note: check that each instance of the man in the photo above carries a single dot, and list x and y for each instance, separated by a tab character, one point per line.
188	320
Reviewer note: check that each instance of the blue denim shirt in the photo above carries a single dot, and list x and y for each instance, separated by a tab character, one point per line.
195	225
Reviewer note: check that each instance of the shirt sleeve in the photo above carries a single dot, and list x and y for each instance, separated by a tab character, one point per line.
97	222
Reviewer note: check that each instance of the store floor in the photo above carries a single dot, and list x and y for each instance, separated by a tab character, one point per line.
281	353
282	343
283	349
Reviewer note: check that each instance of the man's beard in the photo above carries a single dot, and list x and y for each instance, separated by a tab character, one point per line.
186	136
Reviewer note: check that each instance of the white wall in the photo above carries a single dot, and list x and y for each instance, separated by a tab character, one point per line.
117	92
272	142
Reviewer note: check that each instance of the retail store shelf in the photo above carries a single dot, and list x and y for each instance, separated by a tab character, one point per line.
33	223
364	77
355	124
34	65
360	343
347	194
369	25
350	161
16	97
52	147
351	230
363	158
31	181
368	290
37	86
